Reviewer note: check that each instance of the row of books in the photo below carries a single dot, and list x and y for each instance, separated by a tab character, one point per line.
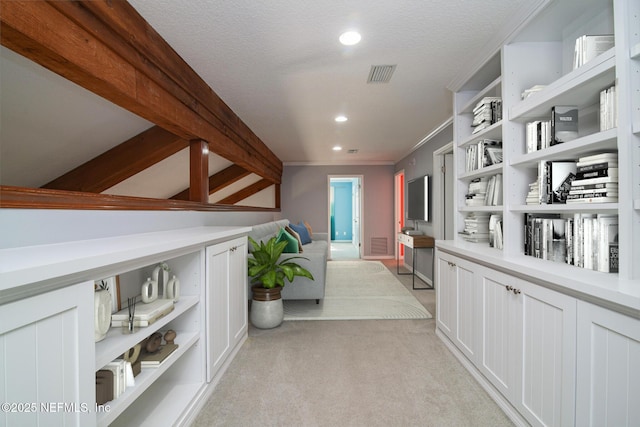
561	127
485	152
487	112
584	240
592	179
608	108
485	191
588	47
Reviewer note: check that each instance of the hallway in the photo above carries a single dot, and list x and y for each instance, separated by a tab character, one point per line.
344	251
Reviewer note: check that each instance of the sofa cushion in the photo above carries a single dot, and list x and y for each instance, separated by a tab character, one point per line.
292	243
296	235
302	231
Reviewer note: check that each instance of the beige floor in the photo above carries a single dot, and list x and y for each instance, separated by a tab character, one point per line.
350	373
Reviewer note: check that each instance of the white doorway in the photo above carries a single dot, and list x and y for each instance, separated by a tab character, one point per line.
443	193
345	216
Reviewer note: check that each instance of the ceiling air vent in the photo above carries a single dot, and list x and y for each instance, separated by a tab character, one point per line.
352	151
381	73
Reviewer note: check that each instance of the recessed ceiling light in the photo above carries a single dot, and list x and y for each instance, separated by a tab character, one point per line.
337	148
350	38
340	119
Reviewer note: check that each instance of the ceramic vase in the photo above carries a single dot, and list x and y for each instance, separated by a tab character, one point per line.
102	312
266	307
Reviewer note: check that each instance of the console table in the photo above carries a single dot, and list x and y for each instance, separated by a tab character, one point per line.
419	241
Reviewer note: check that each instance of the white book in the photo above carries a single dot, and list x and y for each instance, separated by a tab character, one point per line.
608	234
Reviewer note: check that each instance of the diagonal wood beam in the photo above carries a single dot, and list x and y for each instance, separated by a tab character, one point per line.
245	192
121	162
219	180
107	47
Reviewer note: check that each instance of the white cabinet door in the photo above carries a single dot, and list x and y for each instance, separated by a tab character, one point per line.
608	368
547	367
501	322
217	291
458	303
48	353
445	285
226	272
468	324
239	319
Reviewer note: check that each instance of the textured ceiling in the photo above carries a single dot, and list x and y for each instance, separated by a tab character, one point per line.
278	64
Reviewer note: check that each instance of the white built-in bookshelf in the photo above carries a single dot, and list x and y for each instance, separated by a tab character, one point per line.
542	54
549	338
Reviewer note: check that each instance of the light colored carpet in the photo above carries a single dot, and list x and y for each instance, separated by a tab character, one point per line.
358	290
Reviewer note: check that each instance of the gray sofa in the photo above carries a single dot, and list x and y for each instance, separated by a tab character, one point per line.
316	252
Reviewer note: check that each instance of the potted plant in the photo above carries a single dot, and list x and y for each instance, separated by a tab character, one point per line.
268	273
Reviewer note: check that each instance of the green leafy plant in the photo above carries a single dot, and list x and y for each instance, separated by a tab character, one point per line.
264	268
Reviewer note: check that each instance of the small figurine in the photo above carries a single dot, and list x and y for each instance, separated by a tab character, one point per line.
170	336
153	342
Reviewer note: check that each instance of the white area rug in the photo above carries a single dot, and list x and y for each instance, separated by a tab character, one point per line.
358	290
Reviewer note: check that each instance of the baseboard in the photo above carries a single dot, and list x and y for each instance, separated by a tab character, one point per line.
422	277
377	257
497	397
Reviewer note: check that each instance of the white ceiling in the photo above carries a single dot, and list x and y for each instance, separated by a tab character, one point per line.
278	64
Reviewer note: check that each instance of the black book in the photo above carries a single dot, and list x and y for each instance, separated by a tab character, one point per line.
564	123
597	166
598	173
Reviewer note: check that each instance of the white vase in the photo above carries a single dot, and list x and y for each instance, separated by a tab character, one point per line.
102	312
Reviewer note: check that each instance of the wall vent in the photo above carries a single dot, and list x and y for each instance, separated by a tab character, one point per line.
380	73
378	246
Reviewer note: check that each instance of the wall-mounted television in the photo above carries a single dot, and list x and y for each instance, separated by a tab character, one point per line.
418	199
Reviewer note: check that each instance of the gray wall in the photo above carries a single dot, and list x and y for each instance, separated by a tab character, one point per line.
305	196
417	164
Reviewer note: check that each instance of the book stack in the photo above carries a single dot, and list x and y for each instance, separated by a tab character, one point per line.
532	91
596	179
476	227
487	112
554	182
584	240
588	47
533	196
608	108
477	192
485	152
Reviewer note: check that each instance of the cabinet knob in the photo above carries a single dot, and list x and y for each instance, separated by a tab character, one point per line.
509	288
516	291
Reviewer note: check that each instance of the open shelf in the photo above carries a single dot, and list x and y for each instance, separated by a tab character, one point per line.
591	144
116	343
580	87
146	378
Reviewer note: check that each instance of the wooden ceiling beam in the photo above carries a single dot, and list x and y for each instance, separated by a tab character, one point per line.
120	162
219	181
107	48
246	192
41	198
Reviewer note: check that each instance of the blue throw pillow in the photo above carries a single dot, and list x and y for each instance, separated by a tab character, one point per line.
292	242
302	231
